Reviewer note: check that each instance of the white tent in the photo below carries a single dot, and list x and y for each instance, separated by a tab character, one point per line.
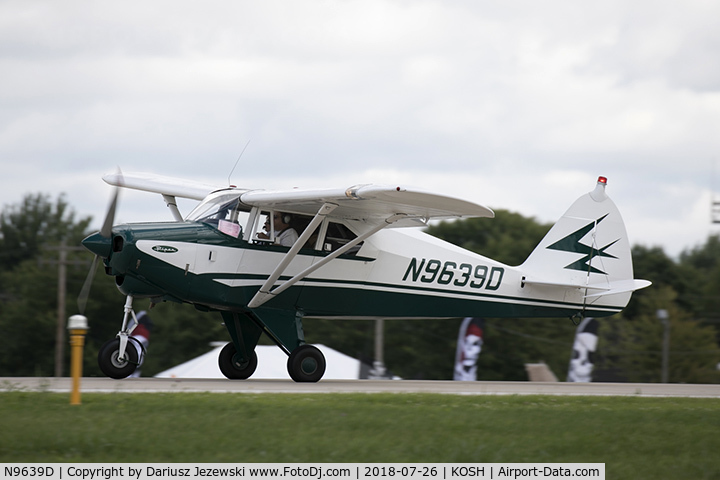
272	363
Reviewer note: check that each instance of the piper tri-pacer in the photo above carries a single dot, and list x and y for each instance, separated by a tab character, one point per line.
353	258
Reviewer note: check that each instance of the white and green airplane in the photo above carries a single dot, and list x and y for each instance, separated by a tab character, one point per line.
353	258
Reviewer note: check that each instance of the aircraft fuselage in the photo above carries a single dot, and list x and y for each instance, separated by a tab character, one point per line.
397	273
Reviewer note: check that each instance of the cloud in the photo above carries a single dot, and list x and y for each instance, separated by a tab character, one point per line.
500	102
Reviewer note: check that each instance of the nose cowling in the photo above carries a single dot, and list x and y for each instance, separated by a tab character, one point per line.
98	244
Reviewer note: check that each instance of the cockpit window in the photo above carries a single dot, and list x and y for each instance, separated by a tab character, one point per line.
222	212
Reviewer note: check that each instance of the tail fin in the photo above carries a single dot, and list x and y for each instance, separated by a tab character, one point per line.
587	249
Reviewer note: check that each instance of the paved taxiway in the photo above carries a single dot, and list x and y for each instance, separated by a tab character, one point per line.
140	385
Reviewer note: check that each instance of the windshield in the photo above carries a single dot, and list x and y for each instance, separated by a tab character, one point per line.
222	212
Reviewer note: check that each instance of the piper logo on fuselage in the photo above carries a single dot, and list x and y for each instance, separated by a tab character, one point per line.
450	273
164	249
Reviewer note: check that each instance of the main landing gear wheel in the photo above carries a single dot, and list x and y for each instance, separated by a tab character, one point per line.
306	364
110	362
231	368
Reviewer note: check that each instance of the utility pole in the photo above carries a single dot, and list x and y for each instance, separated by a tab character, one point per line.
715	204
62	263
379	371
664	318
61	293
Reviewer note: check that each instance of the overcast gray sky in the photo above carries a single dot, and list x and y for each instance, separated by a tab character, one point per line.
513	104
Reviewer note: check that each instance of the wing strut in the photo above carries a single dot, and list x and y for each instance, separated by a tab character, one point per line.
172	205
264	291
264	294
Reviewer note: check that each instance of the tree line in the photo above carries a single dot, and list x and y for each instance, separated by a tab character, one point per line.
629	346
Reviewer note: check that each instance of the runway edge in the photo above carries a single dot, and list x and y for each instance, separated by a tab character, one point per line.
165	385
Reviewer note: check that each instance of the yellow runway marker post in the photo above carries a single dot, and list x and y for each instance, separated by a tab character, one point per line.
78	327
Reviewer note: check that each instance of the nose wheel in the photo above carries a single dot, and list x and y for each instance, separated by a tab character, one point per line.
119	358
115	365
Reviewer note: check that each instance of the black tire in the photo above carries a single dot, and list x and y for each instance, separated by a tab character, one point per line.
110	363
231	368
306	364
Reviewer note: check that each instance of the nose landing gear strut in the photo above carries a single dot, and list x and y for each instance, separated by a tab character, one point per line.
115	359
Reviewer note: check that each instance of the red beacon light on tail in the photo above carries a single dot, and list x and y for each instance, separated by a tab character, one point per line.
599	193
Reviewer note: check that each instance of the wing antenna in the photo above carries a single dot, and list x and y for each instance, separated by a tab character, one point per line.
237	161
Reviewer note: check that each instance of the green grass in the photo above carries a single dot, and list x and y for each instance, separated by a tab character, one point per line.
635	437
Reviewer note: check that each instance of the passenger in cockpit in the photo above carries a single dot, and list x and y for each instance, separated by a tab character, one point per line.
285	235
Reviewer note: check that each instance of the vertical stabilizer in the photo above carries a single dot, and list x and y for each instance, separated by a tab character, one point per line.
587	248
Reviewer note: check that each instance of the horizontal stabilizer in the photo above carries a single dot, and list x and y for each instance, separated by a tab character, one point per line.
619	286
622	286
548	283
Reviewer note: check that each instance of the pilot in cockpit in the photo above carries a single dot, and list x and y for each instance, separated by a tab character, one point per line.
285	235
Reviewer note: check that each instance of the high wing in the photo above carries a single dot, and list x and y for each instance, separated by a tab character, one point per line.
175	187
170	188
371	203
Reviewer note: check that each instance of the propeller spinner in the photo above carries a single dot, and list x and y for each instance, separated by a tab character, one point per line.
100	244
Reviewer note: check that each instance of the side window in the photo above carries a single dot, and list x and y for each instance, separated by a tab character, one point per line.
273	227
328	237
337	236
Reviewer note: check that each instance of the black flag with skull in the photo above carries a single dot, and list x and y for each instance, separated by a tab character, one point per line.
582	361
